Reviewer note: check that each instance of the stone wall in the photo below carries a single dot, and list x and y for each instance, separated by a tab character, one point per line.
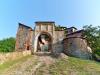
77	47
23	37
27	38
12	56
57	41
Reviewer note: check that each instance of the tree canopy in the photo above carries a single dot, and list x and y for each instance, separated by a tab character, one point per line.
7	45
92	35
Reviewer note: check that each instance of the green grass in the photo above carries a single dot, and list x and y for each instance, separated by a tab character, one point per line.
75	66
65	66
40	70
7	64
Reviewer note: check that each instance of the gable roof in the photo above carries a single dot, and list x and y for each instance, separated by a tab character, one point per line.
20	24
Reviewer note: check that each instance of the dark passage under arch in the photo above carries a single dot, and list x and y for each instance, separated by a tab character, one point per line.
44	43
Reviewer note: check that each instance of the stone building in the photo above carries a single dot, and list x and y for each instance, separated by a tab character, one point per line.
76	45
45	38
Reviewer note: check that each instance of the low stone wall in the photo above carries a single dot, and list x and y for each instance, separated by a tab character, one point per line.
12	56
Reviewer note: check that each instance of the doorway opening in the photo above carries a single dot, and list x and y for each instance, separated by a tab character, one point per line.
44	43
28	48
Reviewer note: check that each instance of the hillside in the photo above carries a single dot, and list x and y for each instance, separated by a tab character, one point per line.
48	65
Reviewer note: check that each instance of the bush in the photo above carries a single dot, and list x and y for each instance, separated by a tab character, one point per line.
7	45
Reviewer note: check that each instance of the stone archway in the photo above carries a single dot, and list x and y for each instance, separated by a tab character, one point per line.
43	42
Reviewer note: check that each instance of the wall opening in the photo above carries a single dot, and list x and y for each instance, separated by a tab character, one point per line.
28	48
43	42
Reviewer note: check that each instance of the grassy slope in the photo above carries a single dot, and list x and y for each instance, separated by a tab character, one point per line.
75	66
8	64
65	66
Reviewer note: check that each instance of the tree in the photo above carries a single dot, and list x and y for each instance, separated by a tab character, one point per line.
92	35
59	28
7	45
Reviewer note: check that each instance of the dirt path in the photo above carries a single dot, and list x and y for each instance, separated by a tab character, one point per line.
44	68
30	66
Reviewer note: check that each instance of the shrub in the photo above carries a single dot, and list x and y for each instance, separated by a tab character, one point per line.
7	45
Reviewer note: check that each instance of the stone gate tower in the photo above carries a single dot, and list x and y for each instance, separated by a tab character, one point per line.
43	37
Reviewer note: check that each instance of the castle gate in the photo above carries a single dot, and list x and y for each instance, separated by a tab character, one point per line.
43	38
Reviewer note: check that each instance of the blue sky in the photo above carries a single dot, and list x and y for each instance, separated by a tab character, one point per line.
64	12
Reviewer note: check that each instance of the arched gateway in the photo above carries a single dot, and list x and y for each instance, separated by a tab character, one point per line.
43	37
43	42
